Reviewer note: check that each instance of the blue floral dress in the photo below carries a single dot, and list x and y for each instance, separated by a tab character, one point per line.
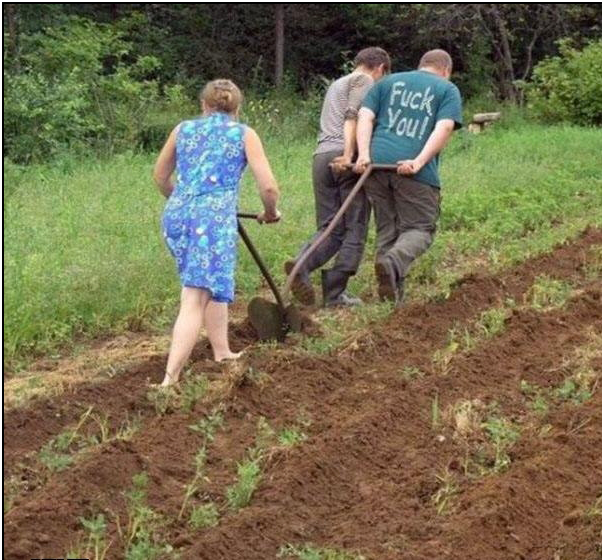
199	221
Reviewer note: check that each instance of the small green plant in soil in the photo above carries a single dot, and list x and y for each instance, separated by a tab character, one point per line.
573	391
104	428
208	426
264	438
539	405
203	516
193	389
57	454
321	345
239	494
502	435
442	358
141	534
95	547
528	389
443	498
548	293
249	474
181	397
53	460
341	325
492	321
199	477
468	341
537	401
372	312
163	399
333	329
289	437
584	376
7	501
310	552
125	432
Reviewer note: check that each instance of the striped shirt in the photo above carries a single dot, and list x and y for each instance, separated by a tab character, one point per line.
342	102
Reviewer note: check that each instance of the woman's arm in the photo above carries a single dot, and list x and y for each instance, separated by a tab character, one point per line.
165	165
266	183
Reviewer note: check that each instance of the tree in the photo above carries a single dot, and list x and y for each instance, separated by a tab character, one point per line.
279	65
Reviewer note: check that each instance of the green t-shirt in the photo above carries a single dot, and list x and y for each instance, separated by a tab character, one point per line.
407	106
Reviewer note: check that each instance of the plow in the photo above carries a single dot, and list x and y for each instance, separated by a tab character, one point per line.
273	320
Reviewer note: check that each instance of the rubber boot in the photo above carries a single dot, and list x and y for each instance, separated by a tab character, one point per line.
386	279
390	285
334	283
301	287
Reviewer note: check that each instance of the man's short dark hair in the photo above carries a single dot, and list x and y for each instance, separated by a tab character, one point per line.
437	58
373	57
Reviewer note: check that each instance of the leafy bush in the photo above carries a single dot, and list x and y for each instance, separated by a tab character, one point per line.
79	86
568	87
74	86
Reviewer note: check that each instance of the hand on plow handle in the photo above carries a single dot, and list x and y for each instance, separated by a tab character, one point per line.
262	217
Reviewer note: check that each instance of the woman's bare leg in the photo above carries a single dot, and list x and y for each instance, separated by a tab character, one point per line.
185	332
216	324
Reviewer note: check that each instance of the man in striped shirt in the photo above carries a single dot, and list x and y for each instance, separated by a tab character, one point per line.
336	142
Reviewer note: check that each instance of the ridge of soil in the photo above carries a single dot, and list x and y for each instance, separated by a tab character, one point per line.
365	477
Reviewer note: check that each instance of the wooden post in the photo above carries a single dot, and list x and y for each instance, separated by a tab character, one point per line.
279	67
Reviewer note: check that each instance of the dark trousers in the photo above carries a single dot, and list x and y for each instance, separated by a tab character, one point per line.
406	213
348	238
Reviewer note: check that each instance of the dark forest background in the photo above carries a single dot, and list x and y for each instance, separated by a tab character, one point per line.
95	66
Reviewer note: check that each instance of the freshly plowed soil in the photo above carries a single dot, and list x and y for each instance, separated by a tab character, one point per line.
367	478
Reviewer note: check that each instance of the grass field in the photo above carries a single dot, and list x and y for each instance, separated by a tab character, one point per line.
84	253
468	421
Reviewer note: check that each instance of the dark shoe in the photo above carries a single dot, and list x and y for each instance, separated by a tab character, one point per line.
386	279
344	300
334	283
301	286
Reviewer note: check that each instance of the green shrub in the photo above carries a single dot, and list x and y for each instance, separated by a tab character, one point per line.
74	86
568	87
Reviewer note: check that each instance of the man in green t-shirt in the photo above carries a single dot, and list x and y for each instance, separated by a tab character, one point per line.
409	116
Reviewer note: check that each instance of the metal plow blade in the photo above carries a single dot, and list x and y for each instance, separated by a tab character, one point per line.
270	321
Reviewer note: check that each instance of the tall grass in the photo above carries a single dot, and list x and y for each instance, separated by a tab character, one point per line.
84	252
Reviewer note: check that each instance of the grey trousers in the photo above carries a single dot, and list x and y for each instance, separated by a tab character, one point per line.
348	238
406	213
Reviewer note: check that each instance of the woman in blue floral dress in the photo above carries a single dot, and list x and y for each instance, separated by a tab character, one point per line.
209	155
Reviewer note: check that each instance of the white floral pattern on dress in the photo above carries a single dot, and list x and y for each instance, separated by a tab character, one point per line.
199	221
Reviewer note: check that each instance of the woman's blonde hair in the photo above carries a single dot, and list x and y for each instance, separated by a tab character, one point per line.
222	95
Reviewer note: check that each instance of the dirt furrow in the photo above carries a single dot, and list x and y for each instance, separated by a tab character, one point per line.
26	429
357	471
373	455
366	481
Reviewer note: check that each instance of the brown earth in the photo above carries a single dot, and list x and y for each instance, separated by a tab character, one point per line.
364	479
